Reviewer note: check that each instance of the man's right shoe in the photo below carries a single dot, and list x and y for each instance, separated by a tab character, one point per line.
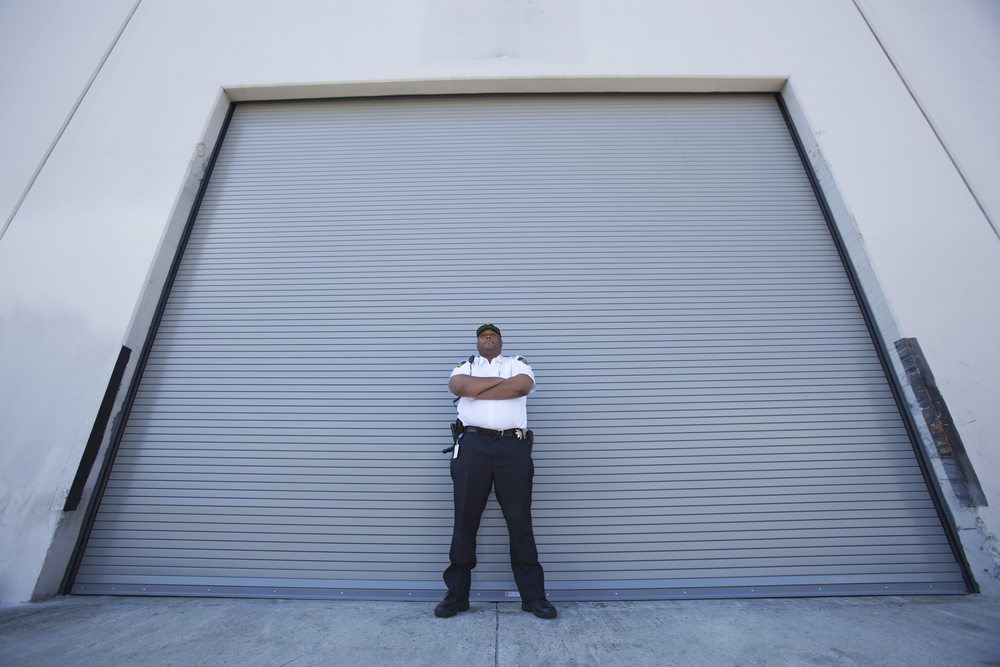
450	606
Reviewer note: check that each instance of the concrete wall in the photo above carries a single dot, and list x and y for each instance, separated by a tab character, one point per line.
50	51
948	55
83	260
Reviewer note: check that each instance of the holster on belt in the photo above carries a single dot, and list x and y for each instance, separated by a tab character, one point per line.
457	428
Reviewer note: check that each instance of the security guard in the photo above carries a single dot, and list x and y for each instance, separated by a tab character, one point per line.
493	448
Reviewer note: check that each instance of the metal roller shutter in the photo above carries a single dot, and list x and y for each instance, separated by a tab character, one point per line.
712	417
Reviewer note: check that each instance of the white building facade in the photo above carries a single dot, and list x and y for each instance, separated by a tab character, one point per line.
114	111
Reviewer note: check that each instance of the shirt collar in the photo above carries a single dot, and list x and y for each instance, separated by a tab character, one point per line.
482	360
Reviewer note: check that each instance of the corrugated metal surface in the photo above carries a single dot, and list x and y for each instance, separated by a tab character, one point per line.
712	417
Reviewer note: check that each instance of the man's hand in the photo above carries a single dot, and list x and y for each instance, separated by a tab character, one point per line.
469	387
496	389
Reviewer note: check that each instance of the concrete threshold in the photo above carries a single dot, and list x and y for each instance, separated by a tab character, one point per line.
110	631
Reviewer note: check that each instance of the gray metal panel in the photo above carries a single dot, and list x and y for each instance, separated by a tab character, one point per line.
711	415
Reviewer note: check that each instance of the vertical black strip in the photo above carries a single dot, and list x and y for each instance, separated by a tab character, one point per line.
109	457
97	432
936	493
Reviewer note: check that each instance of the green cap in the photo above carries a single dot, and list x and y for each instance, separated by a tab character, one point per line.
488	327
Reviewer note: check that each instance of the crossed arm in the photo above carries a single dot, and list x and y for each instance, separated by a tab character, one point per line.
496	389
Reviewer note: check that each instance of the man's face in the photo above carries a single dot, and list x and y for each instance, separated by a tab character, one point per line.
489	344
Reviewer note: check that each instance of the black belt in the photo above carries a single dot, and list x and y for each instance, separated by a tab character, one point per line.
491	433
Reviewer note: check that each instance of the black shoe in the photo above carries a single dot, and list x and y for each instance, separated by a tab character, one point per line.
541	608
450	606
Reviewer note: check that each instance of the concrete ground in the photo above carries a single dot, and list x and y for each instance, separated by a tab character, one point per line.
108	631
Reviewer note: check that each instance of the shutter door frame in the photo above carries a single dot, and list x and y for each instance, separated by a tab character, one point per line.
937	493
391	590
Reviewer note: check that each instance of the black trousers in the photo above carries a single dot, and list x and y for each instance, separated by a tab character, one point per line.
504	463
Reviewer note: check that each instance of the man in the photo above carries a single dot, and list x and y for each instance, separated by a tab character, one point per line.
494	449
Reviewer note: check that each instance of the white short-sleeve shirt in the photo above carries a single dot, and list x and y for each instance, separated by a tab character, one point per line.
492	414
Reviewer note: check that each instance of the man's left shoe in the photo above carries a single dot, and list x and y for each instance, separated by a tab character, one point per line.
541	608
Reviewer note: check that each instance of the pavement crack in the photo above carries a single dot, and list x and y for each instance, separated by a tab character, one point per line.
496	637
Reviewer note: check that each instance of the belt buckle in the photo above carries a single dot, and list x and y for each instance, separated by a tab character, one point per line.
519	434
